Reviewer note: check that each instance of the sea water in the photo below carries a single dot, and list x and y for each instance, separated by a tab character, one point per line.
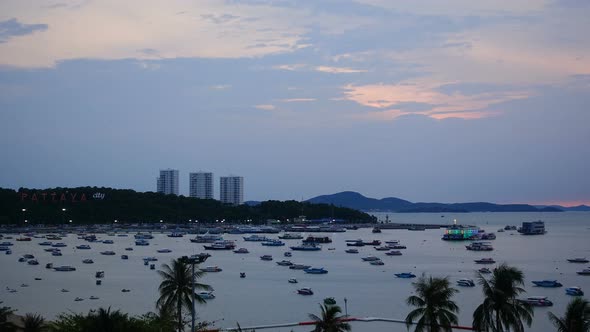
265	296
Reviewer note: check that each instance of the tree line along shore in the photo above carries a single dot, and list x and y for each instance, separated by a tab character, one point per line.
96	205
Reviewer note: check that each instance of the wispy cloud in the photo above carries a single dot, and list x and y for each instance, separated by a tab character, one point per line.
265	107
392	100
338	70
221	87
291	67
13	28
296	100
322	69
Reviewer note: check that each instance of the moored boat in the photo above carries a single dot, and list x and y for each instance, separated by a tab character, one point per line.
305	291
394	253
291	236
284	263
537	301
299	267
315	270
205	295
397	246
164	250
479	246
547	283
377	262
88	261
64	268
292	281
317	239
266	257
206	238
485	261
273	243
241	251
83	247
465	283
574	291
370	258
108	253
255	238
211	269
351	251
484	270
584	272
220	245
578	260
405	275
307	247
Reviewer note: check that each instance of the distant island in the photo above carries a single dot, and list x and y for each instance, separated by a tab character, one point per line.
354	200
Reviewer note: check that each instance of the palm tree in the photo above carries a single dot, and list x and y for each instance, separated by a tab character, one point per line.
434	305
176	288
33	323
500	309
162	321
5	325
329	320
105	320
576	319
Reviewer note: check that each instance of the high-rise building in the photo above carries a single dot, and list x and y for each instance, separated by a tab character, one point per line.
201	185
231	190
168	181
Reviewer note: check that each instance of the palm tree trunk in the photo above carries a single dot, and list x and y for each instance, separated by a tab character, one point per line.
498	322
179	308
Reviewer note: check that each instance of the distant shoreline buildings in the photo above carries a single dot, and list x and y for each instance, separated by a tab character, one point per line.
201	185
231	188
167	183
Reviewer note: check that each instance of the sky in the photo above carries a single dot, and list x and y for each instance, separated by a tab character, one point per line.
426	100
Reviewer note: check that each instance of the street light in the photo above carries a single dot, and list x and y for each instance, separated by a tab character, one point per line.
63	217
24	210
193	260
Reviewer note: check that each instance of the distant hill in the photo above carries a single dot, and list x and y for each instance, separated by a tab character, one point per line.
581	208
354	200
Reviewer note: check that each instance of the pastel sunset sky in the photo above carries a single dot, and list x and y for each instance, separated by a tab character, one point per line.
426	100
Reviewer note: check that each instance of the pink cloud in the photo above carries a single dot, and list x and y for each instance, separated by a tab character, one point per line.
437	105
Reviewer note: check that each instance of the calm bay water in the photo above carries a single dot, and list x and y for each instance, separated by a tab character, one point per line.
265	297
